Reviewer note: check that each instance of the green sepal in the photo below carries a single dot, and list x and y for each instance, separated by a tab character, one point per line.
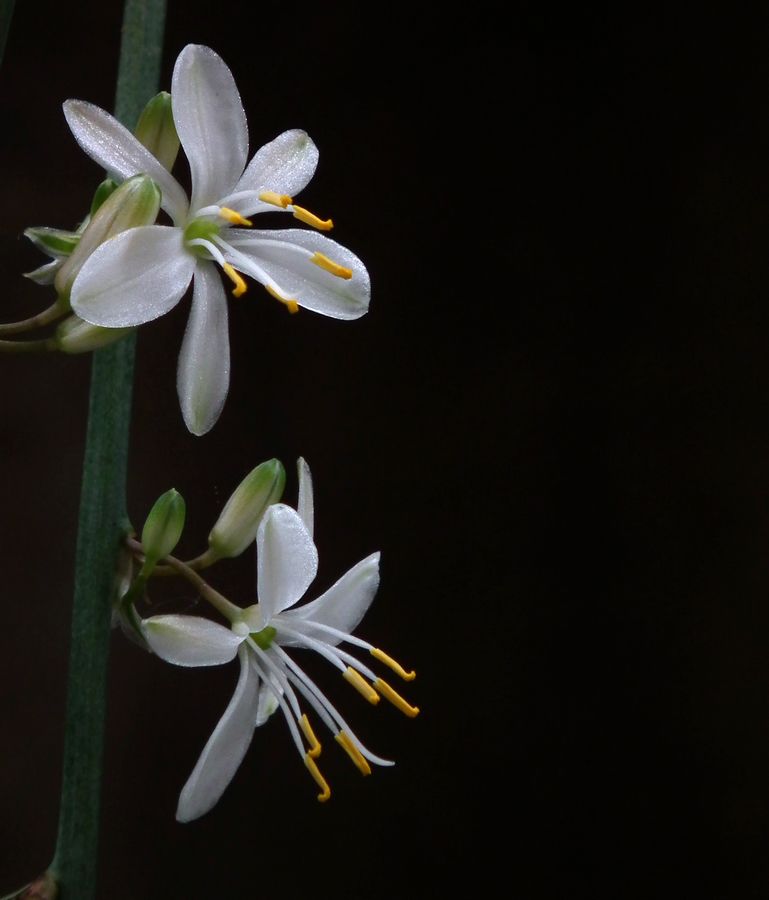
53	241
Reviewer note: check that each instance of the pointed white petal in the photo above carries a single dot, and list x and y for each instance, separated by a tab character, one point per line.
286	560
112	146
203	374
284	255
284	166
225	749
342	606
190	640
134	277
305	505
210	121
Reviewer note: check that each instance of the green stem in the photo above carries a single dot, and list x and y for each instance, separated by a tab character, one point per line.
6	14
102	525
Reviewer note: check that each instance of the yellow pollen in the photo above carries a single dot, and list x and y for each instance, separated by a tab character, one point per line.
395	666
304	215
319	779
330	266
395	698
233	217
361	685
291	305
281	200
314	751
352	751
240	285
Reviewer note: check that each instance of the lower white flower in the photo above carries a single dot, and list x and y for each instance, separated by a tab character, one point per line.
287	562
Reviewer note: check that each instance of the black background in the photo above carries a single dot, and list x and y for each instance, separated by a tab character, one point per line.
553	422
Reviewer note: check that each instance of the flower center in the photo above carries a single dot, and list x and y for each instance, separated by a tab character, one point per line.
264	638
200	230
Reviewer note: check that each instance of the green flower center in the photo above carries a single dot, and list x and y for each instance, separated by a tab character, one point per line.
200	229
264	638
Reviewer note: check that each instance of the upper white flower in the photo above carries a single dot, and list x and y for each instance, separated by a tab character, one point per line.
143	273
287	562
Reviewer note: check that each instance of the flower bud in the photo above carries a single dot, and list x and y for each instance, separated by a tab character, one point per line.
164	526
156	130
105	189
237	525
75	335
135	202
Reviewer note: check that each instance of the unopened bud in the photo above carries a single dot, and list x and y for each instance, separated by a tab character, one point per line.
237	525
75	335
164	526
156	130
135	202
105	189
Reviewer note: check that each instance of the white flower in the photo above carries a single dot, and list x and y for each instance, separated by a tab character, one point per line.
287	561
143	273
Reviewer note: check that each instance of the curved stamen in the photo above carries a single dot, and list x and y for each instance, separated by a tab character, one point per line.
395	698
258	274
304	215
352	751
208	245
315	696
333	654
233	216
240	285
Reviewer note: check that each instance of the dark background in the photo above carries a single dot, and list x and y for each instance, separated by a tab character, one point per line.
553	422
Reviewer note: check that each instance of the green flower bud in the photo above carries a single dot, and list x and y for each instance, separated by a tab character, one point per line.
75	335
105	189
163	527
156	130
135	202
236	527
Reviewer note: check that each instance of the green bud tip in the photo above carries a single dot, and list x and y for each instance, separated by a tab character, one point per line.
157	131
164	525
237	525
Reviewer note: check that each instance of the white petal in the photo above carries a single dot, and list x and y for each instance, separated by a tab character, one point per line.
203	374
134	277
190	640
210	121
284	255
305	506
113	146
342	606
284	166
286	560
225	749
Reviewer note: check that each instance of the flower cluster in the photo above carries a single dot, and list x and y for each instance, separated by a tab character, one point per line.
261	635
121	268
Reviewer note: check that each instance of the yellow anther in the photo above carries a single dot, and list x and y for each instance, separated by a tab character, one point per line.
233	217
395	666
240	285
291	305
361	685
304	215
281	200
395	698
314	751
319	779
352	751
330	266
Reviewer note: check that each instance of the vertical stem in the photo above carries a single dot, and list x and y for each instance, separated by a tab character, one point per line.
6	14
102	522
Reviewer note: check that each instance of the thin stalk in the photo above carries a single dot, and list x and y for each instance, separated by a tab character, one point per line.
102	524
6	14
